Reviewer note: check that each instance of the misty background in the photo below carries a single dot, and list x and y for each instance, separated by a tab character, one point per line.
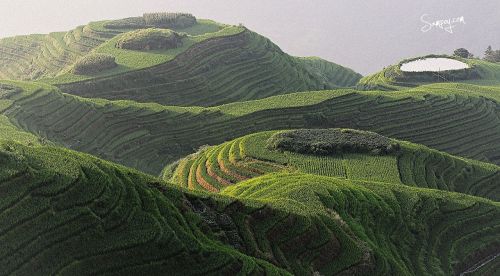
363	35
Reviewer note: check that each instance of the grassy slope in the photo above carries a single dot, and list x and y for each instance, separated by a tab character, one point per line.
334	74
71	213
247	157
489	75
413	230
459	119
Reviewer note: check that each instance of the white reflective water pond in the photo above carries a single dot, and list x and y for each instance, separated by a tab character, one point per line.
433	65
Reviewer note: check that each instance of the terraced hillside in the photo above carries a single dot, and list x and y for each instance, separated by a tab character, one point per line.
68	213
34	57
212	64
331	73
392	78
236	67
214	168
37	56
410	231
459	119
230	170
408	183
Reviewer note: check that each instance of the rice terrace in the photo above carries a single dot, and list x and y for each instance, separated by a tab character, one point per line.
168	144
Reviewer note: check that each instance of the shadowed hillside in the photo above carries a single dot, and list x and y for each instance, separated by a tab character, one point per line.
68	213
412	231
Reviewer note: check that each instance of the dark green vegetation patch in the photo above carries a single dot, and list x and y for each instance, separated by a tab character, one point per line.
94	63
169	20
149	39
157	20
332	141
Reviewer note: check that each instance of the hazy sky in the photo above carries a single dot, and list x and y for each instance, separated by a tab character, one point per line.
365	35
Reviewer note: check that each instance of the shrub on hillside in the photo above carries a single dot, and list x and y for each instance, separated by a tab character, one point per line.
94	63
463	53
154	20
492	55
149	39
332	141
169	20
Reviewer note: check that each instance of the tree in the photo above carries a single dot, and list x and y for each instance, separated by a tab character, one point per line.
488	51
463	53
491	56
496	56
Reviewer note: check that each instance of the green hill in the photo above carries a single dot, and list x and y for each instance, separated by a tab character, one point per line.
247	157
406	186
68	213
331	74
392	78
211	63
239	65
460	119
